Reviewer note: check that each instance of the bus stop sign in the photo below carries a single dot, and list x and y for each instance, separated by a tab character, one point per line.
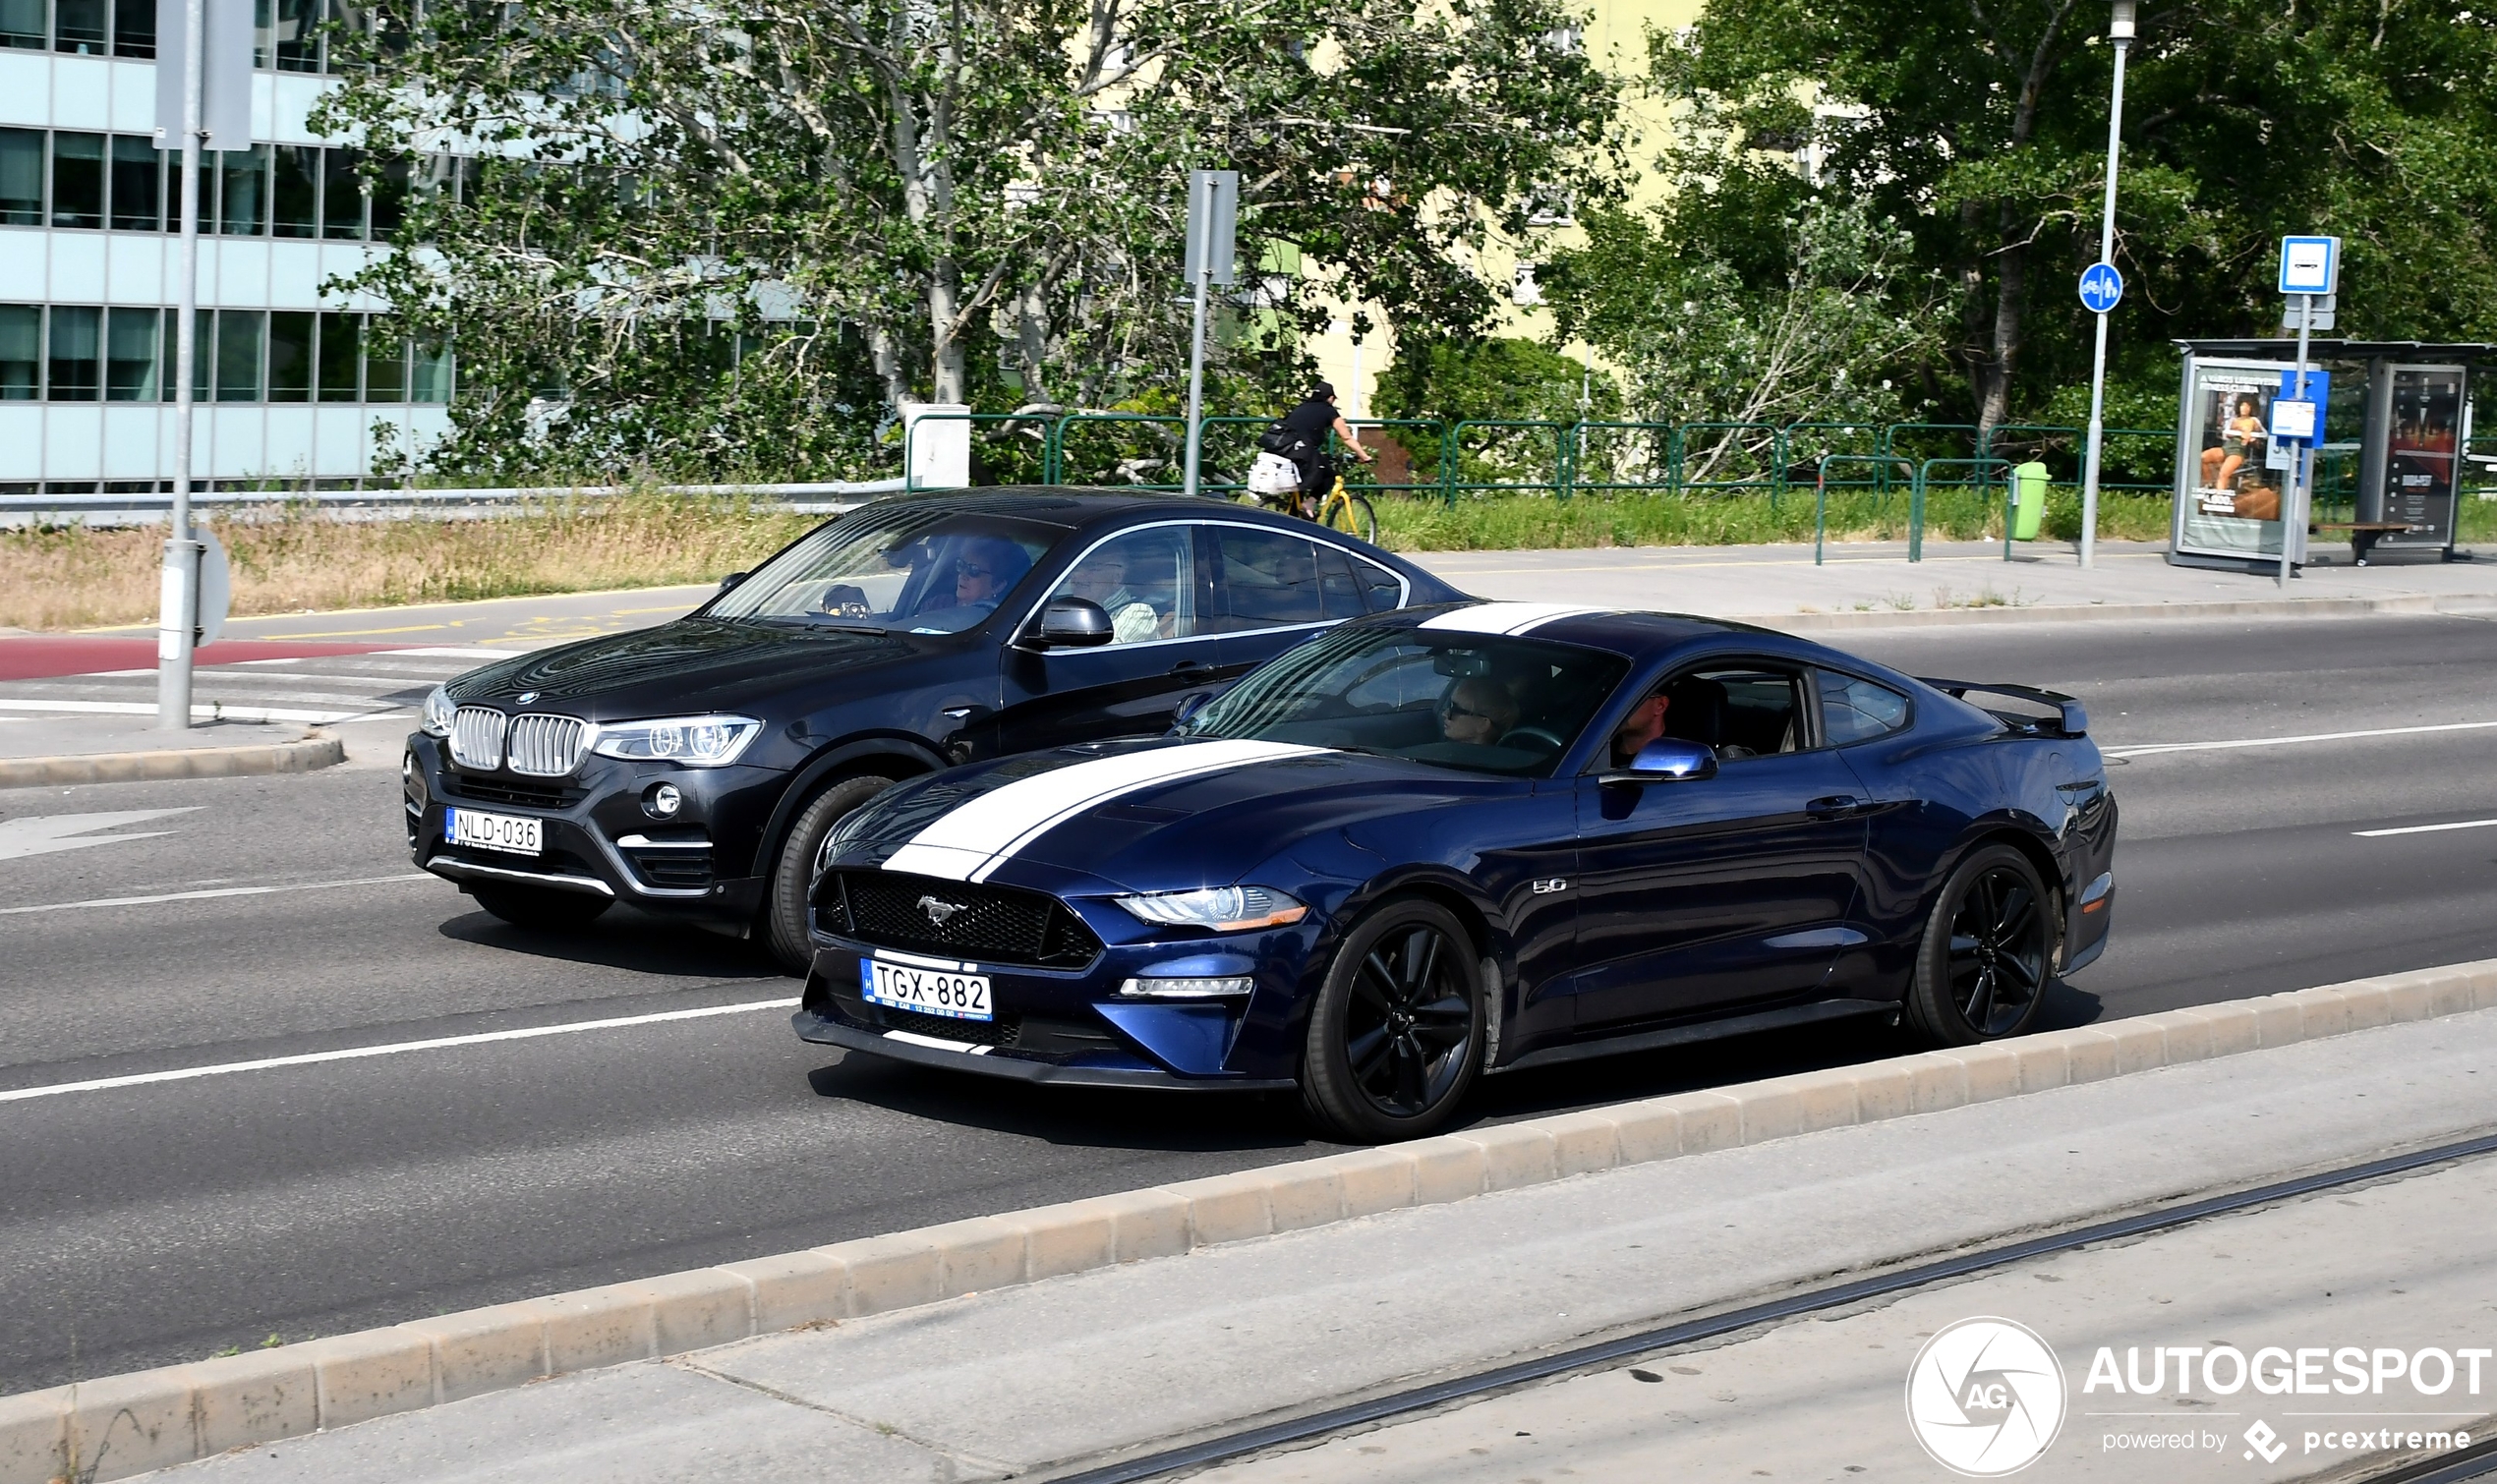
2101	287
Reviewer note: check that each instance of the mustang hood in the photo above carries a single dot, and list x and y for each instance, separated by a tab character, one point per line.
1156	816
691	664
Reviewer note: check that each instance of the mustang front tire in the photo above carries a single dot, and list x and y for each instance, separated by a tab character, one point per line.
793	874
1396	1036
1989	951
542	907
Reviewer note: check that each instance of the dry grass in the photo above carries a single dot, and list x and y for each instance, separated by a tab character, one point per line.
286	560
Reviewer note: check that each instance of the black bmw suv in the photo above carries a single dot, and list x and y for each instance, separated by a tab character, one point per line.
694	769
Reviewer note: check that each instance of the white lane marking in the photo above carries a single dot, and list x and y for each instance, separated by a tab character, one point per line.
972	841
460	652
148	709
357	1052
2377	835
210	893
407	682
1507	619
44	833
2381	731
965	1047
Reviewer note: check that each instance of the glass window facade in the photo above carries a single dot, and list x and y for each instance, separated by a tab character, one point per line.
79	353
74	362
78	179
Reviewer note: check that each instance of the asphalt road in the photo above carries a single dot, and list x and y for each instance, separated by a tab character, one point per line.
171	1220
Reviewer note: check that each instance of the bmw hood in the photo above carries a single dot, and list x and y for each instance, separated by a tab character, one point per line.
688	666
1159	815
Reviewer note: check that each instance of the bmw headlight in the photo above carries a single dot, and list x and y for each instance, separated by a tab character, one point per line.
694	741
437	713
1223	909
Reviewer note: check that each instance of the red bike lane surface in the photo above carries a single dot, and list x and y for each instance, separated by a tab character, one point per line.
43	656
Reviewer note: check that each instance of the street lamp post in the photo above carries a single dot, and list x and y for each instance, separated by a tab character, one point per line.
2120	33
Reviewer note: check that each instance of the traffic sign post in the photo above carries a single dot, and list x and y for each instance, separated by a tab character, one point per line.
2102	287
1213	214
2310	268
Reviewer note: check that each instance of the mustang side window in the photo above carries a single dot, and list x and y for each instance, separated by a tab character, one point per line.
1741	711
1145	580
1858	711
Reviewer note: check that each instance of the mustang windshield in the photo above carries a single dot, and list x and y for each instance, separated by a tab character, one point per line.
1486	704
909	565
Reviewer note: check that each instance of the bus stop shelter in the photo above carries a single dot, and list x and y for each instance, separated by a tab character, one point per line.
2387	473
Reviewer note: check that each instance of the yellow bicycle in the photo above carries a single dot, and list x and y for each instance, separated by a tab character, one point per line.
1338	509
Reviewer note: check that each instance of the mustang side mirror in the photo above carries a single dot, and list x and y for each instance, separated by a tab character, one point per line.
730	581
1188	705
1667	759
1072	623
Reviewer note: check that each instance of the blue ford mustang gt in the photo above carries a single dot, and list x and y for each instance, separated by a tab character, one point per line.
1460	839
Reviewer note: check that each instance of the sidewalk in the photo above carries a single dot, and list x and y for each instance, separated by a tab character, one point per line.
1873	581
1049	1376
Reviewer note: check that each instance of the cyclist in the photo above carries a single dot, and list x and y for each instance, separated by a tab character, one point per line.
1307	427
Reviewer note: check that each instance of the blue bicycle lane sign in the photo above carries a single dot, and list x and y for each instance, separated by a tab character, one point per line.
2101	287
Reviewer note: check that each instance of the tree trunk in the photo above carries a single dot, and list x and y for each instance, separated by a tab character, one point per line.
2002	354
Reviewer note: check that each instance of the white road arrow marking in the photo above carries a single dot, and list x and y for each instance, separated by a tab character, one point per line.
41	834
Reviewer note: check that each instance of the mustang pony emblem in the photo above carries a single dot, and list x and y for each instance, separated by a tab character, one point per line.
939	913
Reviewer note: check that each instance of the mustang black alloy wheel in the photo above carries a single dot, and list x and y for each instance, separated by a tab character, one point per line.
543	907
1396	1036
800	861
1989	951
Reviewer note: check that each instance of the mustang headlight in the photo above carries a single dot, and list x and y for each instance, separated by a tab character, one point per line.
1224	909
437	713
695	741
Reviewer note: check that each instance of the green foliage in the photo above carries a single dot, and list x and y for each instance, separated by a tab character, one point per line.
1981	129
979	202
1509	523
1497	379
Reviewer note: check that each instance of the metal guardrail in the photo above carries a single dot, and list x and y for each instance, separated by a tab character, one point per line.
142	508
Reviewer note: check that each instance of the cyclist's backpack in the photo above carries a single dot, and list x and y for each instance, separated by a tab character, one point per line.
1278	439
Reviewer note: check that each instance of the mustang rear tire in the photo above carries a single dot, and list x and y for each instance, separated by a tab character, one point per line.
1396	1036
1989	951
540	907
793	874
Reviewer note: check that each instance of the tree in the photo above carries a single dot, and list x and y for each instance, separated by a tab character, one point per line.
899	184
1494	379
1980	126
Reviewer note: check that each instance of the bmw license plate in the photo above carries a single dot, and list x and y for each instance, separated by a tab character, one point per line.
930	992
510	834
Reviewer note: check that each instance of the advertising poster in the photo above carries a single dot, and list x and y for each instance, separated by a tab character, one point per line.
2420	462
2234	504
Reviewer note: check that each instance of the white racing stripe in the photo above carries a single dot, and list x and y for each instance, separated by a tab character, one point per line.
1507	619
358	1053
969	842
2377	835
205	896
2149	749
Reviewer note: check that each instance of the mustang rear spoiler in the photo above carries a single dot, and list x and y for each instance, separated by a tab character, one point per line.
2071	718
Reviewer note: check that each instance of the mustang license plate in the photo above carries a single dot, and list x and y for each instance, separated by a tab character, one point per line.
930	992
512	833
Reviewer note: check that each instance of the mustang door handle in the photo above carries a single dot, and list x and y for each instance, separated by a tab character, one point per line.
1191	667
1836	806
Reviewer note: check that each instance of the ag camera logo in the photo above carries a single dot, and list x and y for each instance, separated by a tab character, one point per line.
1985	1396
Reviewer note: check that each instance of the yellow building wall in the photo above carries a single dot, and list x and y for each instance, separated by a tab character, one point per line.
1617	35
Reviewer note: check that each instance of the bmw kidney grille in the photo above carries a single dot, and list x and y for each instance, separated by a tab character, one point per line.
477	737
538	747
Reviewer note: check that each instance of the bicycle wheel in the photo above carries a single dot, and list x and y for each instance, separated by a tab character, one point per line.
1351	514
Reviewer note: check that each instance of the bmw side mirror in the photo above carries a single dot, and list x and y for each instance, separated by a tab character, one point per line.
730	581
1667	759
1072	623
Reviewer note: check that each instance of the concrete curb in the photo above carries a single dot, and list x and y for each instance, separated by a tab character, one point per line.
311	751
2127	612
122	1425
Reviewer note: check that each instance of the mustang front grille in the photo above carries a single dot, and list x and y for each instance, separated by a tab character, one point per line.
477	737
983	924
546	747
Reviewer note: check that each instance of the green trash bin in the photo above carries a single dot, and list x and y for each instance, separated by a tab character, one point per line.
2028	499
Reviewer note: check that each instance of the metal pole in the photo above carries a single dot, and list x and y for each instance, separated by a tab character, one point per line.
178	589
2294	499
2119	32
1196	377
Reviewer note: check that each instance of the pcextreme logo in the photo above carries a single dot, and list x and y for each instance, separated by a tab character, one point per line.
1985	1396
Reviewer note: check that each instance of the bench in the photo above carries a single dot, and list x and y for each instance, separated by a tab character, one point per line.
2363	535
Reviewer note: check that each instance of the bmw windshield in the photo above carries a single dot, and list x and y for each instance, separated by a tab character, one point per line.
901	565
1484	705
